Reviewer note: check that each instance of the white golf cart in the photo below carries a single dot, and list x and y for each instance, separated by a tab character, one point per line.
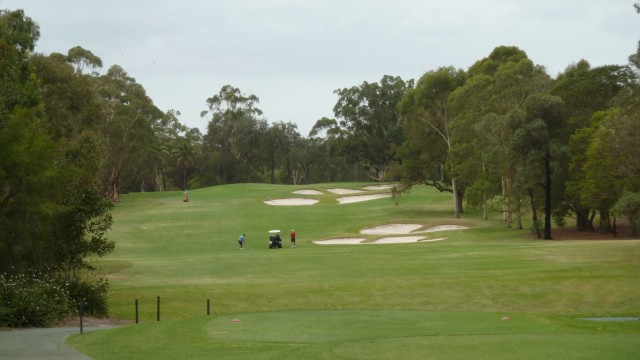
275	242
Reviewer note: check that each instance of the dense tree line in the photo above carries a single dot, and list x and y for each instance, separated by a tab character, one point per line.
505	130
503	135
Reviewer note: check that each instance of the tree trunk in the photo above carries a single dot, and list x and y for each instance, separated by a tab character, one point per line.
111	187
519	212
534	214
592	216
507	211
485	212
634	224
184	177
456	206
485	215
504	199
582	220
547	198
605	221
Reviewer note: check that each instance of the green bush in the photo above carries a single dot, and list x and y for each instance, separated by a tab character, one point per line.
32	300
92	293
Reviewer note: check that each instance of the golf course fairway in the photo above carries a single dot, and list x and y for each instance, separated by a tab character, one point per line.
483	291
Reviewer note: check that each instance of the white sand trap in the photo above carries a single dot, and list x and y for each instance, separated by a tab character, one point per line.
446	228
377	187
291	202
340	191
358	198
308	192
399	239
341	241
391	229
430	240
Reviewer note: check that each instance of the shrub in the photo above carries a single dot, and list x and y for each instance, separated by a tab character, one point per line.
91	292
33	299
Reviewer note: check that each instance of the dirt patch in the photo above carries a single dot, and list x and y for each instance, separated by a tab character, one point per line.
90	321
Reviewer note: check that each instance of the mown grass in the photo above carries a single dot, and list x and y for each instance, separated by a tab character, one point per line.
441	300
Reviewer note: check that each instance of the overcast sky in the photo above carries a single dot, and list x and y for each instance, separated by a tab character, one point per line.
294	54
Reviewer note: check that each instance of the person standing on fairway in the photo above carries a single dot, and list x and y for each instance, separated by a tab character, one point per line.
241	241
293	238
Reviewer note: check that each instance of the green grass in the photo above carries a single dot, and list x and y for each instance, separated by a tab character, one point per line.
442	300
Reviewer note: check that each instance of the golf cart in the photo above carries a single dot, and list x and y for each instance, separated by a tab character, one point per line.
274	239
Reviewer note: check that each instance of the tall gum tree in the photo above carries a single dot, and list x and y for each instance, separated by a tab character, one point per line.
538	141
231	138
428	118
126	127
586	91
497	86
368	116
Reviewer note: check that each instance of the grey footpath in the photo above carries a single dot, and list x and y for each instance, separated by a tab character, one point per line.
41	343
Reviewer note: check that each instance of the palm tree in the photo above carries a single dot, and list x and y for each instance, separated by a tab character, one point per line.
184	159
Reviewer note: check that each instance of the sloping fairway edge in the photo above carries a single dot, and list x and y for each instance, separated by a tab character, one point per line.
366	334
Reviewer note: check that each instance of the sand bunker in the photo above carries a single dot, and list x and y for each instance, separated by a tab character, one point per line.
341	241
291	202
307	192
340	191
445	228
407	229
391	229
358	198
385	240
377	187
399	239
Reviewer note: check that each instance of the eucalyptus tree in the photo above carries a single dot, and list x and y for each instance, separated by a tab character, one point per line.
82	58
428	119
328	138
475	158
232	137
369	116
612	166
495	90
71	98
125	127
18	36
313	162
281	143
539	140
586	91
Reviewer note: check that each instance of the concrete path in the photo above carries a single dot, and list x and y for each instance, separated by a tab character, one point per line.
41	343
